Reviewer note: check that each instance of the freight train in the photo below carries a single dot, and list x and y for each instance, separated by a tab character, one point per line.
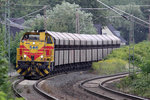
43	52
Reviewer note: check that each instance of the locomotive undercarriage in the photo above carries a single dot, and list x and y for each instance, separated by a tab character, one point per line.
33	74
33	68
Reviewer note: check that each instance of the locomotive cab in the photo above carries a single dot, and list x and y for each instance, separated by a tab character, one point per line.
35	54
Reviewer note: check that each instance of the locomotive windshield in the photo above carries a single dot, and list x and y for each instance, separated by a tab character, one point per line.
31	37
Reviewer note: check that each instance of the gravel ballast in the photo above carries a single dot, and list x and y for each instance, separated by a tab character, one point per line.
66	86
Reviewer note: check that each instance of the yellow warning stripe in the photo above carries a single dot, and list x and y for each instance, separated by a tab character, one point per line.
19	70
41	74
28	69
24	72
46	71
39	71
49	67
16	66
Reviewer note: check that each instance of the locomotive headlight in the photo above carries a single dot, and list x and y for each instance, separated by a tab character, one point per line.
41	56
25	56
33	43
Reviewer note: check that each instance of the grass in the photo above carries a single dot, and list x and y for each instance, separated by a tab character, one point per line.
110	66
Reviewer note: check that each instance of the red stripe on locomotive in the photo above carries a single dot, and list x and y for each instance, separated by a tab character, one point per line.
47	49
23	48
36	55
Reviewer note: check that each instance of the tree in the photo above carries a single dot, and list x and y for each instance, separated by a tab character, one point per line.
97	19
122	2
5	85
124	25
15	42
3	60
146	9
23	7
63	19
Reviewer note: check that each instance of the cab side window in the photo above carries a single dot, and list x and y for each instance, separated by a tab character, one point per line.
49	41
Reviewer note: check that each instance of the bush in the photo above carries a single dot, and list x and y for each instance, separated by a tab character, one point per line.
4	96
5	85
120	53
139	86
15	41
110	66
141	55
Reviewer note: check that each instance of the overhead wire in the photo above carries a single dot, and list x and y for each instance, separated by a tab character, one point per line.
132	21
132	16
127	18
16	25
32	12
135	5
28	5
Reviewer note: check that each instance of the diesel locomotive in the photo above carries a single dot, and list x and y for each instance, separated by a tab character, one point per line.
43	52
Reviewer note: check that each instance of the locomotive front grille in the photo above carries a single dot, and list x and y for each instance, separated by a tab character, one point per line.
32	57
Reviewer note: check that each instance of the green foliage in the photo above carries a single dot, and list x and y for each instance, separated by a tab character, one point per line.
24	8
2	49
19	99
120	53
122	2
146	9
13	47
62	18
139	86
141	56
110	66
124	25
3	70
4	96
5	85
3	61
145	66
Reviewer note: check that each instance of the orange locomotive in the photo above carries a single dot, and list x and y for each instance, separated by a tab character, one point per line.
43	52
35	55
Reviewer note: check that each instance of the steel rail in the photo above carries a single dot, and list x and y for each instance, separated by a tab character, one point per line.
35	87
41	92
14	85
101	86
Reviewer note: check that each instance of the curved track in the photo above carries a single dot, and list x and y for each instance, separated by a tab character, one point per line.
34	86
96	86
36	95
41	92
14	87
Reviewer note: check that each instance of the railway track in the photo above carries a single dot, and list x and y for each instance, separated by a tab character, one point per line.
34	86
14	87
97	87
94	86
38	93
41	92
